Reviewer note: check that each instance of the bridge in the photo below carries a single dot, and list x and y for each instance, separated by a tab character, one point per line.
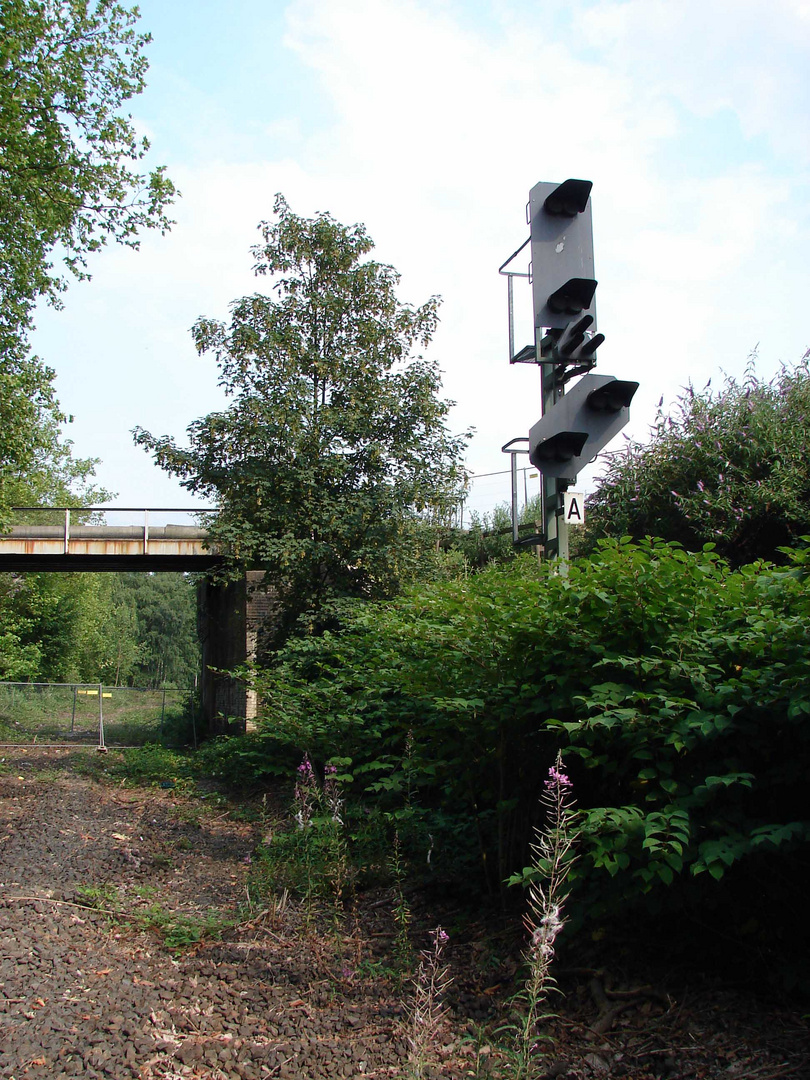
230	614
70	547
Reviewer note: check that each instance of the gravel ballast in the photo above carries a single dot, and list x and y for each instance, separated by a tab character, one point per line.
129	951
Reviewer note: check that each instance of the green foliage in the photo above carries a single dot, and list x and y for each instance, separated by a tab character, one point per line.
74	626
703	731
36	465
153	764
488	539
311	858
680	687
178	931
119	629
181	932
403	952
165	649
20	605
301	861
99	897
245	762
729	467
66	184
334	457
66	148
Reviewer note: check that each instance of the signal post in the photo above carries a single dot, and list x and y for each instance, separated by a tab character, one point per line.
575	424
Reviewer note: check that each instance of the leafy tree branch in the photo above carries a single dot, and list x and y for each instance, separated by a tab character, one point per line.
66	150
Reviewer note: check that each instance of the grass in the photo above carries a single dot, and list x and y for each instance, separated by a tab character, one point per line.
47	776
145	892
151	765
177	930
132	717
180	932
99	897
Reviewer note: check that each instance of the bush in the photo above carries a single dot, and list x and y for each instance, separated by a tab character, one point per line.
728	467
678	689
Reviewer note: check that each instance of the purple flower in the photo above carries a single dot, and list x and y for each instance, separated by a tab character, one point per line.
557	778
304	794
305	768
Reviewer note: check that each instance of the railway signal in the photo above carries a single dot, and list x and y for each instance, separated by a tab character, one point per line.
577	421
579	425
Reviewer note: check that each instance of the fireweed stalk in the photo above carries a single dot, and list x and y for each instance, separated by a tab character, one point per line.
403	950
332	796
552	859
318	812
305	801
305	795
337	869
427	1011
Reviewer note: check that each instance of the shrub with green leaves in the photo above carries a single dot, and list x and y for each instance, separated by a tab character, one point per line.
678	687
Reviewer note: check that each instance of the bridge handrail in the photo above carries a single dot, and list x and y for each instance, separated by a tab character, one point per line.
117	532
143	530
126	509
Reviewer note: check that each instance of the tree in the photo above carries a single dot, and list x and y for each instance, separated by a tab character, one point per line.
164	607
122	629
42	616
37	465
37	468
66	184
65	148
729	468
488	538
335	449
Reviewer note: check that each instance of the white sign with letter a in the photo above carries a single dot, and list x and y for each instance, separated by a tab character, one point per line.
574	507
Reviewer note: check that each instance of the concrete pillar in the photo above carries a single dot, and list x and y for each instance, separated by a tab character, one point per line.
232	617
223	637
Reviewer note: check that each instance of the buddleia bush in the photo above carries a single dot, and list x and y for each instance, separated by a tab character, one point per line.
727	466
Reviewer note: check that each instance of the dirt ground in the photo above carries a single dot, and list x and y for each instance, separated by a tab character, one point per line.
114	963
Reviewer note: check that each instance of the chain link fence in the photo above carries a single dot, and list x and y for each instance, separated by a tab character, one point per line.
71	714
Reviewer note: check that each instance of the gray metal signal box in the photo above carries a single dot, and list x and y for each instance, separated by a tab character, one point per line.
578	426
562	251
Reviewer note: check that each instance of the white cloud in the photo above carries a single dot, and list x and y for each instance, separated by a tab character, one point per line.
440	126
442	130
749	56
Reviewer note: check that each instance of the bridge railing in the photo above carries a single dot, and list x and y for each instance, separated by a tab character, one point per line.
129	521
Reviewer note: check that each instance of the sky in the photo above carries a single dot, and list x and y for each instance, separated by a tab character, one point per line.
430	122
